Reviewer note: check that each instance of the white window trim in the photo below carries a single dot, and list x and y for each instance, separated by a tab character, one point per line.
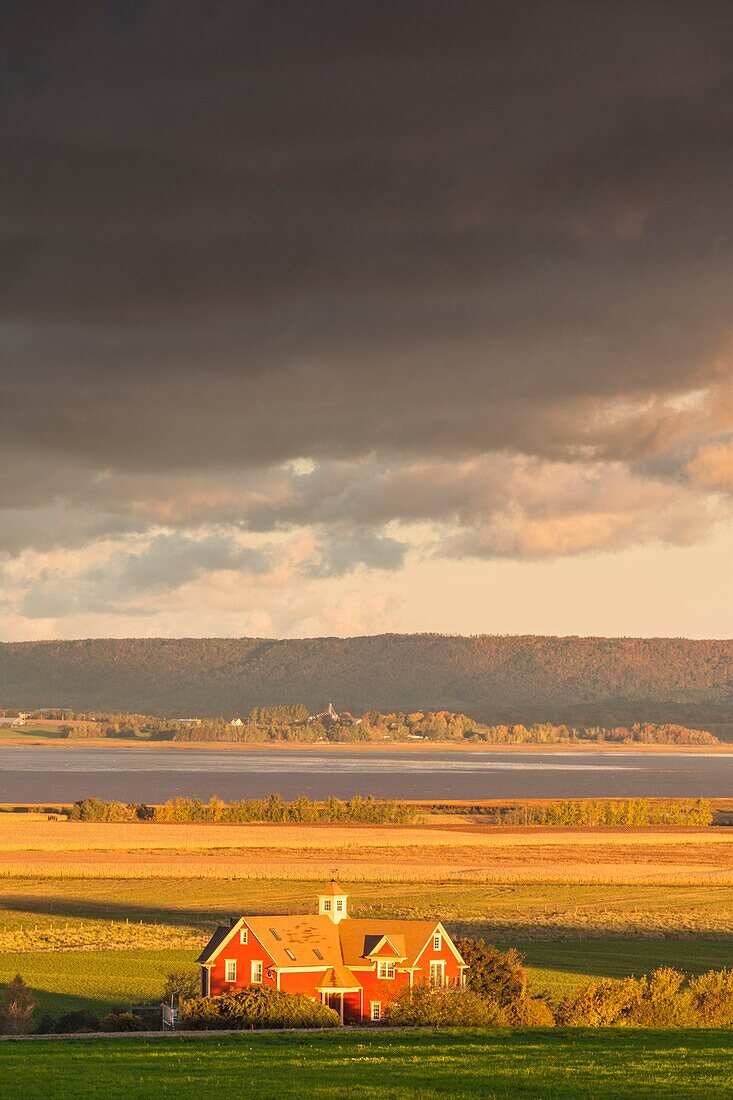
257	966
385	977
375	1007
327	905
439	966
437	942
244	936
227	964
339	905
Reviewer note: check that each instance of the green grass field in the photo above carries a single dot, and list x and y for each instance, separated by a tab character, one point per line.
394	1065
568	934
98	980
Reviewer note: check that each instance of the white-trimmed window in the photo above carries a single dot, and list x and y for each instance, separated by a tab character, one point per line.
327	905
230	970
244	935
437	942
339	905
376	1007
385	971
256	972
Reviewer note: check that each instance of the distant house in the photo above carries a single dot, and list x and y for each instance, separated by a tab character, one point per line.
236	722
353	965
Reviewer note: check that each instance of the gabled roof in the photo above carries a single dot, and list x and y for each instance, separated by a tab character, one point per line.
315	941
360	936
338	978
385	947
302	936
214	943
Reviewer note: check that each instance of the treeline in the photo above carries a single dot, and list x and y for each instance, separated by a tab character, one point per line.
499	678
602	811
292	724
372	811
357	810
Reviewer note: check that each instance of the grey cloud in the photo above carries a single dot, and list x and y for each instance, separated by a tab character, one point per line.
342	554
127	576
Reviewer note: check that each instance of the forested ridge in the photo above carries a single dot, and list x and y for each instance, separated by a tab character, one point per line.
496	678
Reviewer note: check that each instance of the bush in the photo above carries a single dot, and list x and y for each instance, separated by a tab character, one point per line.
255	1007
122	1021
494	974
80	1020
530	1012
662	1001
659	1000
712	998
97	809
602	1003
449	1006
17	1005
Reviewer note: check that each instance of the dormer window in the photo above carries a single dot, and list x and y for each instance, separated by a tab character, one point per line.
327	904
339	905
386	970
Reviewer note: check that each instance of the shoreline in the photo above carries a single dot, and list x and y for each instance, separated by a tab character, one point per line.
20	741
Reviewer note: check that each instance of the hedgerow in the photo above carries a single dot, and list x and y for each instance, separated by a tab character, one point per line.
255	1007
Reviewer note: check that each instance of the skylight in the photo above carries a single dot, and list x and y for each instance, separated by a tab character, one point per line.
276	934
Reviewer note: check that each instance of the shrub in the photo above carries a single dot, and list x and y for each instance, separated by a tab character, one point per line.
255	1007
602	1003
712	998
17	1005
122	1021
97	809
449	1006
530	1012
494	974
80	1020
659	1000
662	1001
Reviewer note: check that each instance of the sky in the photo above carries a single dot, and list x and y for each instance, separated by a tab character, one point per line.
342	318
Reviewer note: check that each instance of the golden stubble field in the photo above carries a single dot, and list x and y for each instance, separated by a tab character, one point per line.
421	853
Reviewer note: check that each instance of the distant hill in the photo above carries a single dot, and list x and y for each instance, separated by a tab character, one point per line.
492	678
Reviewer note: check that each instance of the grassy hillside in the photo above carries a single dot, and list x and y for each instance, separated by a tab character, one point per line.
495	678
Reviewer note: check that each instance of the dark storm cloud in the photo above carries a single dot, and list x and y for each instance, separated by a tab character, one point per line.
236	234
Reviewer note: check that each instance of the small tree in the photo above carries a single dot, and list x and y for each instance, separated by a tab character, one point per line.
494	974
17	1005
186	982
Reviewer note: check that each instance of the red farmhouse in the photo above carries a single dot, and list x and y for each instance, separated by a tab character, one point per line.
355	966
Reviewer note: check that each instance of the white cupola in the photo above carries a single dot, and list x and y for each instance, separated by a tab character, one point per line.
332	902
